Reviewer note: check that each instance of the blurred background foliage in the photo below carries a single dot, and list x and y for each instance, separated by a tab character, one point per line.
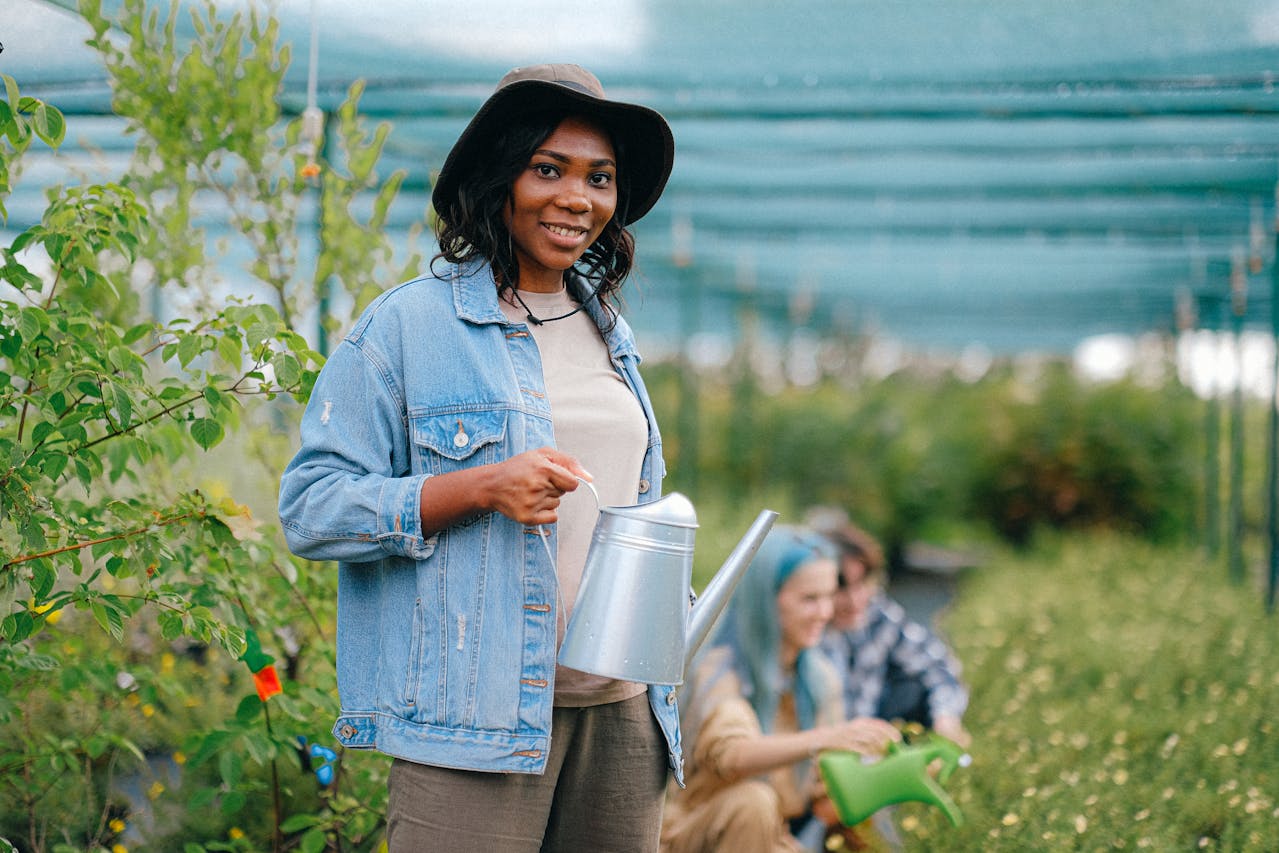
1110	661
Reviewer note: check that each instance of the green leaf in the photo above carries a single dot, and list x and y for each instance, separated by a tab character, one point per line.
49	125
206	431
288	372
233	802
137	333
189	346
202	799
31	323
109	619
314	841
230	767
170	624
17	626
298	822
43	577
258	332
53	464
96	745
249	709
229	349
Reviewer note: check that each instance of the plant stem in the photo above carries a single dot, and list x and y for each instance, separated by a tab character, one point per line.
77	546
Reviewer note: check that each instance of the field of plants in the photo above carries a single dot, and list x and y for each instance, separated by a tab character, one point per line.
1123	699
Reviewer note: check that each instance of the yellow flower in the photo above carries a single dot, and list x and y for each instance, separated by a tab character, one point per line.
52	618
119	848
166	662
117	825
148	710
179	758
236	833
156	789
1010	819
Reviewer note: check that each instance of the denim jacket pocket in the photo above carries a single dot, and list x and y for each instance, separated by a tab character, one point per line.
448	442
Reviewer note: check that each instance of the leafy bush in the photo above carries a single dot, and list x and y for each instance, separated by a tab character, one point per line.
1078	455
922	453
130	596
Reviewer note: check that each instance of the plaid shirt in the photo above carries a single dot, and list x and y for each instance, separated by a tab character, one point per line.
889	640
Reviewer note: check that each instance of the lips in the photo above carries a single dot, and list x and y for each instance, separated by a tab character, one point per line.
568	236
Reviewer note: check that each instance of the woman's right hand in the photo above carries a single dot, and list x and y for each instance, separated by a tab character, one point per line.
528	487
865	735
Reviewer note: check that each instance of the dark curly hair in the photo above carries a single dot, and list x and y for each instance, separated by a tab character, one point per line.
472	226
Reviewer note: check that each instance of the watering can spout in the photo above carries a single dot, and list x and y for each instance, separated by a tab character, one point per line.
710	604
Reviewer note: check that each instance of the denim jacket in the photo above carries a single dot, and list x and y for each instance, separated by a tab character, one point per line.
447	643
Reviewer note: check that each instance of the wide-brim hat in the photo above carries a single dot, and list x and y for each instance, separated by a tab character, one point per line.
642	132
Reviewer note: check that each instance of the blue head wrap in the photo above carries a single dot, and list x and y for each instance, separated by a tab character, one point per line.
751	628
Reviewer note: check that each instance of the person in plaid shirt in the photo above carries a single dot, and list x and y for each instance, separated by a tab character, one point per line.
894	668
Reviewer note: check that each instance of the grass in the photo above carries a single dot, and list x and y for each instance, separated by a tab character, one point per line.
1123	698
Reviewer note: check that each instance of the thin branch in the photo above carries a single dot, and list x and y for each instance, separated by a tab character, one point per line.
77	546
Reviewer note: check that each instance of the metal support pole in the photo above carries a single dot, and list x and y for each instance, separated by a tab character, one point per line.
688	419
1235	526
1272	448
690	393
1212	439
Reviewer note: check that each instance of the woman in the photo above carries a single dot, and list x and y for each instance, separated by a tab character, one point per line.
441	453
761	704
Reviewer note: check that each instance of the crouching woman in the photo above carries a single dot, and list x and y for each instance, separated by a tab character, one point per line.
760	703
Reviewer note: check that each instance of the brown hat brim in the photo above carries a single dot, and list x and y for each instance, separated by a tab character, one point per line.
646	137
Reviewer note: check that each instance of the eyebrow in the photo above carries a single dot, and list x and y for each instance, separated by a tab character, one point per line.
564	158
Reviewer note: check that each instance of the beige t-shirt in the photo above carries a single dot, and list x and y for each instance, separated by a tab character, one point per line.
598	421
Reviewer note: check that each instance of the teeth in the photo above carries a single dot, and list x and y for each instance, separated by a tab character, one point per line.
564	232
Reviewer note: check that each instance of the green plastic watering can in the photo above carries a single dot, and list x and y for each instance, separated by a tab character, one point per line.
859	789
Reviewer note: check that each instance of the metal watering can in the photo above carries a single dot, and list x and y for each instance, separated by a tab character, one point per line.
632	618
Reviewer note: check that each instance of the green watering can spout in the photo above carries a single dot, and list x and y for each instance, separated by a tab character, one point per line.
859	789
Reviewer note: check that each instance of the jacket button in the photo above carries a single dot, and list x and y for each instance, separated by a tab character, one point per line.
348	731
670	698
643	487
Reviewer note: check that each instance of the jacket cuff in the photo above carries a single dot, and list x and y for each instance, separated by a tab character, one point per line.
400	519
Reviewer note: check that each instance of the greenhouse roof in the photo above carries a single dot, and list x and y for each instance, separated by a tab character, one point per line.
1019	174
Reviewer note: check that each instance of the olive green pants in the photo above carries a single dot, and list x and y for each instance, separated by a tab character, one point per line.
602	791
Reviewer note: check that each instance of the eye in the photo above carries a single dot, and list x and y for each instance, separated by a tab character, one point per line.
545	170
601	179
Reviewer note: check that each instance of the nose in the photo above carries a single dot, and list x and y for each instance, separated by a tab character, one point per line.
574	199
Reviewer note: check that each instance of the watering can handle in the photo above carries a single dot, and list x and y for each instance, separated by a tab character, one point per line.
587	484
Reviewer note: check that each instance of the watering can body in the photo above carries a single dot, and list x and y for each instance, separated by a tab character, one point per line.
632	619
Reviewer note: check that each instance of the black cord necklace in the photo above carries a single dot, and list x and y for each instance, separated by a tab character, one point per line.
537	321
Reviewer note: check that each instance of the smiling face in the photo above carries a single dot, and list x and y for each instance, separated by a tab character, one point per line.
561	202
856	590
804	606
